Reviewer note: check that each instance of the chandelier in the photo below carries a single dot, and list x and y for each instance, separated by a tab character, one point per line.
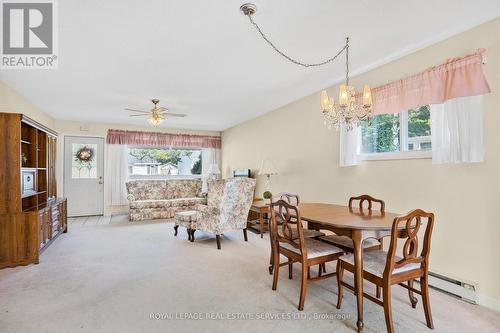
156	117
349	110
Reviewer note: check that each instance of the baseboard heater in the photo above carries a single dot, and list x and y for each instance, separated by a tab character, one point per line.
466	291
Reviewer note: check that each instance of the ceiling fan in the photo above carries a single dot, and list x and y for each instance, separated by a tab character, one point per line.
157	114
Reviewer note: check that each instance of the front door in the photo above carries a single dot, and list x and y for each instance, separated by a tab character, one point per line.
83	175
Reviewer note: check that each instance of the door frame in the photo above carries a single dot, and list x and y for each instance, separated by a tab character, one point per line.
62	164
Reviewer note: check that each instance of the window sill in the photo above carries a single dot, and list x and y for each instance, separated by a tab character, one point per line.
406	155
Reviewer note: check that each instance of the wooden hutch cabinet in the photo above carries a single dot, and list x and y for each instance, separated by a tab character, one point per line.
31	215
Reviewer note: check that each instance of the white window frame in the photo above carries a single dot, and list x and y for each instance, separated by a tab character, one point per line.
403	153
161	177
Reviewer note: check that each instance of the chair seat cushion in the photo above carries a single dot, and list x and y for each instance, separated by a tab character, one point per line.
374	262
307	233
314	248
347	242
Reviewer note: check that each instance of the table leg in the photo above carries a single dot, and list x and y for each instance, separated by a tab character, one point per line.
271	260
358	275
261	224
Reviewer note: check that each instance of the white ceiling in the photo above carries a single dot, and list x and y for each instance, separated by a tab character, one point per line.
204	58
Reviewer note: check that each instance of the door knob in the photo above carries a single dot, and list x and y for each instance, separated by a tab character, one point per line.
100	180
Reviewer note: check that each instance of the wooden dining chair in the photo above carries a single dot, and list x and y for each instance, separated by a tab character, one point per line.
345	242
306	251
385	269
369	244
294	199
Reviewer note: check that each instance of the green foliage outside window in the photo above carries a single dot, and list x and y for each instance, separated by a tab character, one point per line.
384	132
382	135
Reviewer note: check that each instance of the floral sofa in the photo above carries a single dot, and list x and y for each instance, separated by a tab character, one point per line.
228	204
160	199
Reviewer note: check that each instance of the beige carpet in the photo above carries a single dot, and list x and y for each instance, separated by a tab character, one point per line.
115	277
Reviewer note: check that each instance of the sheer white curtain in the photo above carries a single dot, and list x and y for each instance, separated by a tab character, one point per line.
209	156
116	175
350	144
457	130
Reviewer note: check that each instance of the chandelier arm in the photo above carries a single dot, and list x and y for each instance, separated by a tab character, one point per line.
345	48
347	61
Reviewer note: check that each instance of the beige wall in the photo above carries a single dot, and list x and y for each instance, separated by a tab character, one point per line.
12	102
465	241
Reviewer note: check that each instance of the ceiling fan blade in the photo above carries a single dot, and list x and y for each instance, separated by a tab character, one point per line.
138	115
170	114
134	110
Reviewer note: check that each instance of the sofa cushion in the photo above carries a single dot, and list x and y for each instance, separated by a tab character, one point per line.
186	202
146	189
182	188
140	204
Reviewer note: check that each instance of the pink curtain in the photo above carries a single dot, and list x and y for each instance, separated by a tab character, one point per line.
457	77
154	139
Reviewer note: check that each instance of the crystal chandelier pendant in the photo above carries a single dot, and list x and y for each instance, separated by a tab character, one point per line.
351	108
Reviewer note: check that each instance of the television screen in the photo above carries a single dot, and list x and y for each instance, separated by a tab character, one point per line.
241	173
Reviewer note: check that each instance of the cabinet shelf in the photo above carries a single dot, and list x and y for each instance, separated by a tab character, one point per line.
25	142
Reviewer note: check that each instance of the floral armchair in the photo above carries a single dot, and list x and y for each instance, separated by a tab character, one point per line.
228	204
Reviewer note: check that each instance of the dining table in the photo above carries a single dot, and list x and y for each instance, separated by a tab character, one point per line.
356	223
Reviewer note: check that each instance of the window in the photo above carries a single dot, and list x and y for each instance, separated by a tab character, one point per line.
401	135
163	162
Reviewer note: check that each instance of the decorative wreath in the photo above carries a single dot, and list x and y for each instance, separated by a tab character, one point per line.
85	154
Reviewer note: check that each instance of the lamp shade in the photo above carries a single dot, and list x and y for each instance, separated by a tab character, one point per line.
213	169
267	168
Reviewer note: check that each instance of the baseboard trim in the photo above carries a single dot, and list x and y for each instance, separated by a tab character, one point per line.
489	302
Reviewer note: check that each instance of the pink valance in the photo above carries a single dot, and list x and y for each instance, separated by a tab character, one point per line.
136	138
457	77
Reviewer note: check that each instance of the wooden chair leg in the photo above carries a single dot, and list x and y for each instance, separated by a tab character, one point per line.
324	267
387	308
424	287
276	270
290	269
320	269
245	235
377	290
413	299
340	276
303	286
188	230
192	235
308	272
217	238
175	229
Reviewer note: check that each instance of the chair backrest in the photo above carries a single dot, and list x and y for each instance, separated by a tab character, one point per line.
291	198
368	199
407	227
236	201
215	192
289	217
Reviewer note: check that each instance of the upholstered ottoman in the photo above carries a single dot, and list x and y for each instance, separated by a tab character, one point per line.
186	219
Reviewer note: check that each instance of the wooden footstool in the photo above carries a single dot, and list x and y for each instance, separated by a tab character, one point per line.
186	219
